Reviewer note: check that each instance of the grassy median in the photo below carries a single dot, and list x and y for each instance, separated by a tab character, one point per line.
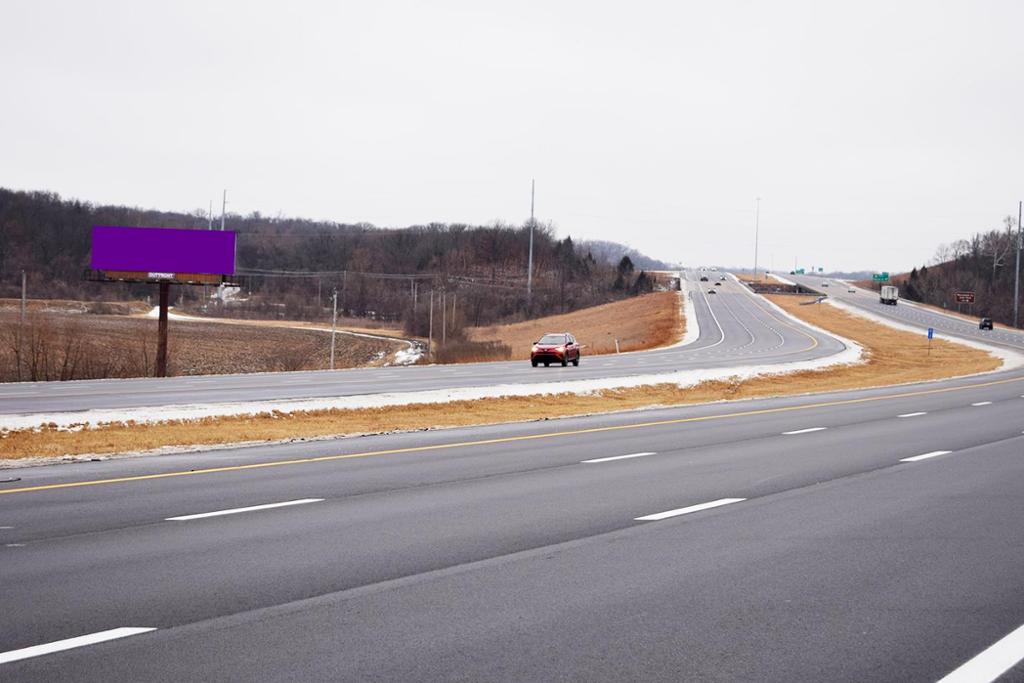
893	357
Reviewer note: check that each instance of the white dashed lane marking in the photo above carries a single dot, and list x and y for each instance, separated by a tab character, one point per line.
687	510
70	643
804	431
925	456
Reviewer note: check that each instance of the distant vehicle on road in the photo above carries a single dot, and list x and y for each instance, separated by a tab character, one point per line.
985	324
851	290
703	278
555	347
890	294
722	278
824	283
712	291
718	284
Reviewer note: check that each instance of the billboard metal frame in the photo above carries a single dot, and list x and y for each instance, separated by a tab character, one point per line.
163	279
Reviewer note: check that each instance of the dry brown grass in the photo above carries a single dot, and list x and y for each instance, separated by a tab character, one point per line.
644	322
894	357
125	346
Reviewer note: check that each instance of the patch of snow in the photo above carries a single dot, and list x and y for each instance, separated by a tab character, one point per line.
171	315
410	355
781	279
689	316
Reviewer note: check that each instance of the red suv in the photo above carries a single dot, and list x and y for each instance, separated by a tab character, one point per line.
559	347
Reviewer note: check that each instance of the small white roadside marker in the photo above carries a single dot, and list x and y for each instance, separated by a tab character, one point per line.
911	414
982	403
235	511
925	456
617	457
993	662
805	431
70	643
687	510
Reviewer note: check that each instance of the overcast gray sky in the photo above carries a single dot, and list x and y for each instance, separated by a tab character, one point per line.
872	130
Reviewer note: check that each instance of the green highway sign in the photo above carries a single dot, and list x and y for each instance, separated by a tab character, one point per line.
880	277
799	271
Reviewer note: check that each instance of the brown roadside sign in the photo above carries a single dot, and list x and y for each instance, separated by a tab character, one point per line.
964	297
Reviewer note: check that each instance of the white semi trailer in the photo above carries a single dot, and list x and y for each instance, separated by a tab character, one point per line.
890	295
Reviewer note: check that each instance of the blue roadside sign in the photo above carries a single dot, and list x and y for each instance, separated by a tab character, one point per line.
931	332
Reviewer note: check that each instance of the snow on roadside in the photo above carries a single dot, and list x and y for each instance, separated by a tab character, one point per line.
692	332
681	378
781	279
1011	359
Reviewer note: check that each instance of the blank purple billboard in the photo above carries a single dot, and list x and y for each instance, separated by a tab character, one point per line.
163	250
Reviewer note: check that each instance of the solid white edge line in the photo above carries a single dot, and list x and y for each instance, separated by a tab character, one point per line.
925	456
687	510
70	643
989	665
804	431
235	511
982	403
617	457
911	414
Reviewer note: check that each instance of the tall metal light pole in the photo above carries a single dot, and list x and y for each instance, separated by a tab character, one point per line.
1016	272
223	206
529	263
757	225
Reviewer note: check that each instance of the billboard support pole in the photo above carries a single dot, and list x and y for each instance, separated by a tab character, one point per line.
161	343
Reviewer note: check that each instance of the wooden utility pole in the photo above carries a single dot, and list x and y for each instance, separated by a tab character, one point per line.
430	337
161	342
455	296
444	317
334	326
21	324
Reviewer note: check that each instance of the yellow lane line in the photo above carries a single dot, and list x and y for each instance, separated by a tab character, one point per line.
508	439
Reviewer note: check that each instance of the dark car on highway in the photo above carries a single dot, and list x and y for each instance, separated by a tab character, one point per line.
985	324
555	347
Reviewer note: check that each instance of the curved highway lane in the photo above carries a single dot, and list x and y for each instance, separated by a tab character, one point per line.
909	313
736	330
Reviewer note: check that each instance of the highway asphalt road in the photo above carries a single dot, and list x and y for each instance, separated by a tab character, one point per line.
911	314
736	330
859	536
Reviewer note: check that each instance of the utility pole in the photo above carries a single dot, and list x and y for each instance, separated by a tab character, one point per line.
430	334
455	297
21	322
223	207
529	264
757	225
209	217
444	318
334	326
1016	273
